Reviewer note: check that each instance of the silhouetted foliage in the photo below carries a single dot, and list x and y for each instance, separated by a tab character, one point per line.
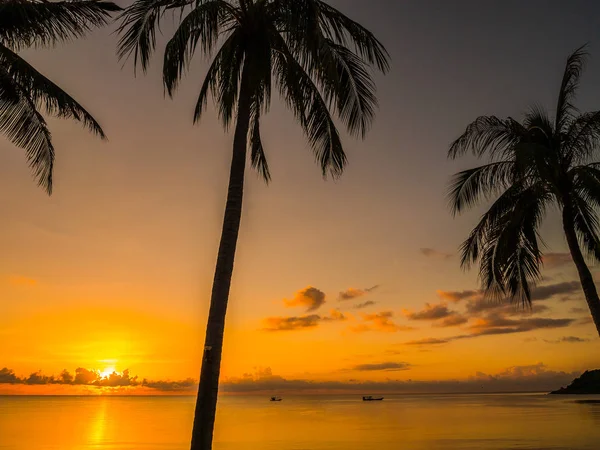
535	164
24	92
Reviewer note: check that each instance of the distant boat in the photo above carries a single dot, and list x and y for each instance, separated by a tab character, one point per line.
276	399
370	398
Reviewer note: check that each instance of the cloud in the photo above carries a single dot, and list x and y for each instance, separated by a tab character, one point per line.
335	315
379	322
432	253
497	324
453	320
18	280
91	379
475	298
310	298
364	304
427	341
567	339
85	376
291	323
7	376
457	296
302	322
352	293
527	378
535	377
554	260
548	291
503	325
578	311
477	306
386	366
430	312
585	321
171	386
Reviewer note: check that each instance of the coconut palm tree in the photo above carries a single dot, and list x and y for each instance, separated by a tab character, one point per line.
317	58
24	92
535	165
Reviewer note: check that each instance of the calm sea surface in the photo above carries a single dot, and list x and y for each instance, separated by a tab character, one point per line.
309	423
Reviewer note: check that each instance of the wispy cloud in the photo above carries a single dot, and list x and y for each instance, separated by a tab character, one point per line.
352	293
384	366
476	298
379	322
457	296
433	253
429	312
291	323
364	304
567	340
453	320
310	298
428	341
294	323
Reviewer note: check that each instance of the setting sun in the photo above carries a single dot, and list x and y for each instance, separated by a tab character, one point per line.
107	372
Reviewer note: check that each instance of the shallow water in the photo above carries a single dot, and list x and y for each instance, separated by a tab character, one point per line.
515	421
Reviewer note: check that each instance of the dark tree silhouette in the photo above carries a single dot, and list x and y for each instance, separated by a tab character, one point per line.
316	57
535	165
24	91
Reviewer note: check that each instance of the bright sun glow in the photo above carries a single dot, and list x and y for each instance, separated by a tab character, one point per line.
106	372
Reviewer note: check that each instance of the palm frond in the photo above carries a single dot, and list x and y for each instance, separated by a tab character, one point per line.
586	226
471	250
512	257
202	25
258	158
222	79
25	127
337	25
304	99
582	139
139	22
44	92
565	109
586	183
491	135
538	123
348	84
470	186
26	23
8	89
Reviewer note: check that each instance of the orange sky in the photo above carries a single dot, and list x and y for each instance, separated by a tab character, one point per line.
115	269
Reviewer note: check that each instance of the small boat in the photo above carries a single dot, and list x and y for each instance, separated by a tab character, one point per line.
370	398
276	399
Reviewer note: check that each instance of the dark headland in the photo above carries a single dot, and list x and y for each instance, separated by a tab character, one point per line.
586	384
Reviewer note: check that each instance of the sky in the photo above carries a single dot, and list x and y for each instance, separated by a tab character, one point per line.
336	282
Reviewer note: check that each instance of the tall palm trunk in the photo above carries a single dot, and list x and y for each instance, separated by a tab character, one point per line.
206	403
585	276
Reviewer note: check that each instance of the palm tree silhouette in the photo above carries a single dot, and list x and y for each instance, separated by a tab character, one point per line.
317	58
24	91
537	164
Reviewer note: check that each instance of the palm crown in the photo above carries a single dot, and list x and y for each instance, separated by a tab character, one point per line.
301	46
534	165
24	91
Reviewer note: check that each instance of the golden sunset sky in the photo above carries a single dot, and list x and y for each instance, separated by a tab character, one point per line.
343	281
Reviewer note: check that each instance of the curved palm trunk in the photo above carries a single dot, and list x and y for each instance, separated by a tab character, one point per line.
206	403
585	276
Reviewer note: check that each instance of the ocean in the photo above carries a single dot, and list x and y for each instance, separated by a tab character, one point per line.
403	422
